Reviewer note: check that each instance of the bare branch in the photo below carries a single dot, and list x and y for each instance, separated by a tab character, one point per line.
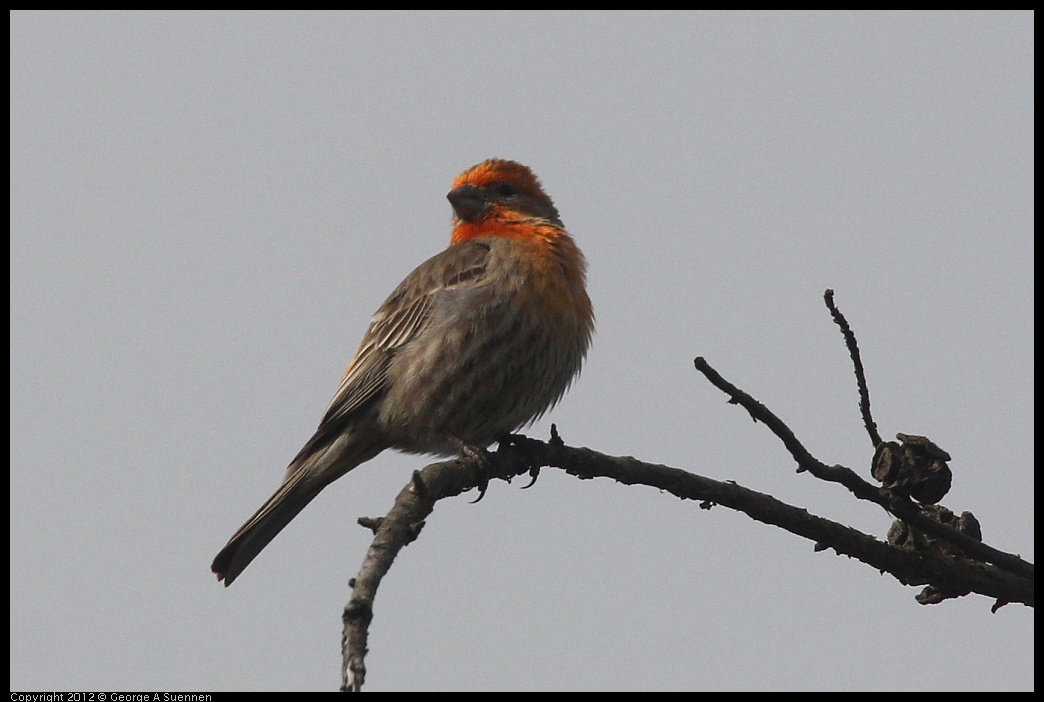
948	575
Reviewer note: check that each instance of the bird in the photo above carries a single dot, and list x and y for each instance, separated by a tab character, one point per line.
476	343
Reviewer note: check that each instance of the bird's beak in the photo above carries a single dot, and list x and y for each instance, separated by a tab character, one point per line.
468	203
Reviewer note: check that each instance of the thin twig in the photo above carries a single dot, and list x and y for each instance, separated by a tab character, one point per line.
805	460
857	362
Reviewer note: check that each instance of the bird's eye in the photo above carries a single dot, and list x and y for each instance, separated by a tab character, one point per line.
505	190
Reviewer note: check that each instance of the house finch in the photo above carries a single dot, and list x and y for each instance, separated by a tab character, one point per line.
476	342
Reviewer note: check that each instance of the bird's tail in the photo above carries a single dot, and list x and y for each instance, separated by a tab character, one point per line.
305	479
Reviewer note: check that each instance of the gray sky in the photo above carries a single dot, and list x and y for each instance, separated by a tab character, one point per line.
207	208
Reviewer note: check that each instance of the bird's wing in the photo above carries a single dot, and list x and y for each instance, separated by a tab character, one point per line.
402	316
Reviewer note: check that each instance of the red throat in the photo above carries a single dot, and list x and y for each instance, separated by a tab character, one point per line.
519	231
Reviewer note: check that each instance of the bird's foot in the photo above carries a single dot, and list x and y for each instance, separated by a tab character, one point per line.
482	458
519	441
